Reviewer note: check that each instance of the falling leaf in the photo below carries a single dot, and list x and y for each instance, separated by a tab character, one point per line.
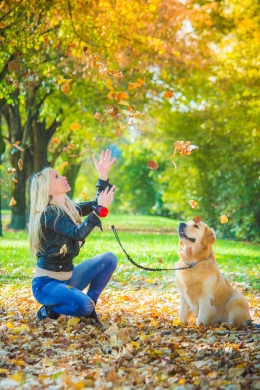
63	250
193	204
184	148
168	94
97	115
175	165
12	202
72	155
13	65
160	260
15	180
118	131
20	164
62	166
84	151
197	219
108	84
152	165
140	82
84	195
115	73
223	219
112	111
65	88
10	170
4	182
16	145
5	196
102	121
55	141
75	126
132	86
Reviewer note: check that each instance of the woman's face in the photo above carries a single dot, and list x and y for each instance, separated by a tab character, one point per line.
58	184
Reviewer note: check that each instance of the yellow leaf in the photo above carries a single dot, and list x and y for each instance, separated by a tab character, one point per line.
3	371
176	323
62	166
155	354
223	219
18	376
12	202
47	362
24	326
65	88
108	84
75	126
193	204
182	381
135	345
73	321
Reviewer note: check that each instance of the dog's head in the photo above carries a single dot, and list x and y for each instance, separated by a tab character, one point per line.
196	239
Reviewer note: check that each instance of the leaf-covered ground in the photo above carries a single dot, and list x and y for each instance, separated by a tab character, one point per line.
143	345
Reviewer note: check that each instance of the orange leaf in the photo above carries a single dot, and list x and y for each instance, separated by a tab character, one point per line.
55	141
193	204
118	131
152	165
15	180
168	94
197	219
97	115
62	166
75	126
65	88
140	83
84	151
132	86
160	261
46	39
20	164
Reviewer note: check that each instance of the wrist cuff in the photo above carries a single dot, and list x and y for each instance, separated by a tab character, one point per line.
100	211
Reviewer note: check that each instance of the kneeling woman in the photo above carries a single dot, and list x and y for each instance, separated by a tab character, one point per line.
56	234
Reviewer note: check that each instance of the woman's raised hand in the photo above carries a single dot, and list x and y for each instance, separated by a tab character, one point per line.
106	197
104	165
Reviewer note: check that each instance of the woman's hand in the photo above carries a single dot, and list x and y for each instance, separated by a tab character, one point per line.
106	197
104	165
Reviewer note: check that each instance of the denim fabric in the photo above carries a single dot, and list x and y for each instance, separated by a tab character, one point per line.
66	297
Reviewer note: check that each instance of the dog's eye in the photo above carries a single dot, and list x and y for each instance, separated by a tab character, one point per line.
196	226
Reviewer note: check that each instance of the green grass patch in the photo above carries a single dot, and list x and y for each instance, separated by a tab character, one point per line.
146	242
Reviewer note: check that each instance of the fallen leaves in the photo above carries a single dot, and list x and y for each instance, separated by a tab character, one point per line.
14	65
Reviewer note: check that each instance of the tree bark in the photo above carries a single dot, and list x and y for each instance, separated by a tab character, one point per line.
71	174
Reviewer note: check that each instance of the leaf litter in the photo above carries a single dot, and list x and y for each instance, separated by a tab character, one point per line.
143	346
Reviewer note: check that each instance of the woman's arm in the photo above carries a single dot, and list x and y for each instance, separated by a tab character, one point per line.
65	226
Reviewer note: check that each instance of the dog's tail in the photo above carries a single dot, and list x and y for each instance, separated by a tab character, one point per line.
237	310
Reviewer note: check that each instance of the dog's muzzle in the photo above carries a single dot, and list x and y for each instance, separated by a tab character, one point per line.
181	233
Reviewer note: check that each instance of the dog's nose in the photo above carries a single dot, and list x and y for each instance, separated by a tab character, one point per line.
182	225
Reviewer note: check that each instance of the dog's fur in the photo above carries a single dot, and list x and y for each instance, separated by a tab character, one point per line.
204	292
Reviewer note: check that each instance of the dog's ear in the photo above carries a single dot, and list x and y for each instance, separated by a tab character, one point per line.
209	237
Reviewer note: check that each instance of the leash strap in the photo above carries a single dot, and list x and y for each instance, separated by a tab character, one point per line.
191	265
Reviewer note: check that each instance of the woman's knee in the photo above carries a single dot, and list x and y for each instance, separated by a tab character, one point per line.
111	259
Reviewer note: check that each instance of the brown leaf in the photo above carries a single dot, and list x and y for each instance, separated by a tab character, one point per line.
112	376
12	202
168	94
115	73
65	88
4	182
20	164
160	260
152	165
55	141
193	204
118	131
59	44
97	115
184	148
197	219
15	180
13	65
85	50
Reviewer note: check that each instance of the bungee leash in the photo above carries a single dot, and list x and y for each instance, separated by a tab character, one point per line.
191	265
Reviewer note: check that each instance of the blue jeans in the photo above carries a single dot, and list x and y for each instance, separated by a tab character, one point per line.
66	297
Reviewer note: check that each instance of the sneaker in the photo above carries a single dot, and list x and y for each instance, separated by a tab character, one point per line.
46	312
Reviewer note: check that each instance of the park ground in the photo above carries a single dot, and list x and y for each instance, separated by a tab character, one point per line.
144	346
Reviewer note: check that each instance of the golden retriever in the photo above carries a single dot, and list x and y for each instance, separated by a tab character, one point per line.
204	291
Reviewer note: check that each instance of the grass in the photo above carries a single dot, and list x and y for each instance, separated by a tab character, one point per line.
147	239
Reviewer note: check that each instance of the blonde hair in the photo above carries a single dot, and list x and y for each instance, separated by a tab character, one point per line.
39	200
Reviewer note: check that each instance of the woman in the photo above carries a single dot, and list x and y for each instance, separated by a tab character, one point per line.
56	234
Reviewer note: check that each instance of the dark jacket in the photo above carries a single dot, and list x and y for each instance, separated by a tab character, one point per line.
62	230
